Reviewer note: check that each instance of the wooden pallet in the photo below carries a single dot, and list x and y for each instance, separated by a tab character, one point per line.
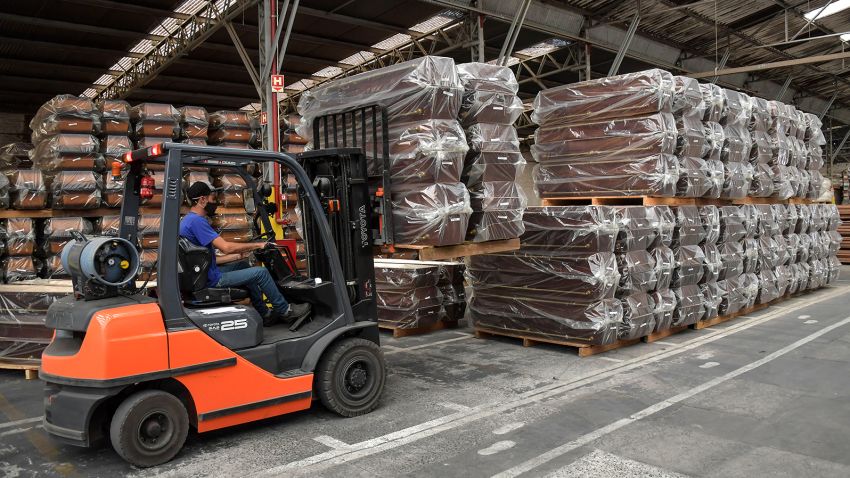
439	253
528	340
402	332
29	366
661	334
704	324
750	200
631	201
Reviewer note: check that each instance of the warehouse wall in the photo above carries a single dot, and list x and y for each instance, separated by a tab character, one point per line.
13	128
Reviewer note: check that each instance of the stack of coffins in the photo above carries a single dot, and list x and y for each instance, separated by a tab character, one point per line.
639	229
19	236
233	226
689	267
194	125
427	146
696	177
231	129
449	284
488	111
737	143
27	189
820	187
408	294
23	335
786	178
832	221
76	190
761	153
612	136
291	141
154	123
736	286
114	143
56	234
14	156
560	284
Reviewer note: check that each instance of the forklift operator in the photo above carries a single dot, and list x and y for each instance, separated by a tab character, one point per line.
235	271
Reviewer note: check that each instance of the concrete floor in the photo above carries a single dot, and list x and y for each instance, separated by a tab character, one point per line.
763	395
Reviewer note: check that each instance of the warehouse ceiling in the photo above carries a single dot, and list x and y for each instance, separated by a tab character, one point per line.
75	46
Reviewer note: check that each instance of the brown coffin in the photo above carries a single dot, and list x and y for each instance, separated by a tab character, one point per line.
637	272
613	139
569	230
732	257
665	304
405	276
646	176
733	225
20	268
232	222
231	135
27	190
56	125
638	316
76	200
156	129
690	305
491	107
688	230
638	227
694	178
491	166
496	196
407	299
690	266
230	182
155	112
577	279
737	180
495	225
665	262
435	215
53	268
597	323
195	131
236	236
231	119
632	94
115	145
712	296
410	318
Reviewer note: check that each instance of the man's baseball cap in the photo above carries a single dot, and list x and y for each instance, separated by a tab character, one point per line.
200	189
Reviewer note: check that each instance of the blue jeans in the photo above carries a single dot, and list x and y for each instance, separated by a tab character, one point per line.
258	281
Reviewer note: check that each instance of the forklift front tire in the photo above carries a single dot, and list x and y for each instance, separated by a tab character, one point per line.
350	377
149	428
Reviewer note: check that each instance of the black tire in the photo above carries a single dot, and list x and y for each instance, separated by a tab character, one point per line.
350	377
149	428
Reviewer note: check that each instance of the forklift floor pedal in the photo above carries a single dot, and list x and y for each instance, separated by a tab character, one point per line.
298	323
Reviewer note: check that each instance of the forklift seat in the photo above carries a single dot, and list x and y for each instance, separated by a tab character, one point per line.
193	262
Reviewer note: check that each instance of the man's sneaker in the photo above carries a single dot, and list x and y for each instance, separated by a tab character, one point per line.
297	312
270	318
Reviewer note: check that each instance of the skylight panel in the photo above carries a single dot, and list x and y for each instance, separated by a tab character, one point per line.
827	10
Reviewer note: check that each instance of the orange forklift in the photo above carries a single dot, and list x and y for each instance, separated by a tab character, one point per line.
139	369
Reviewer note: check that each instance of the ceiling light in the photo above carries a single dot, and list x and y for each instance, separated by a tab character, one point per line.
827	10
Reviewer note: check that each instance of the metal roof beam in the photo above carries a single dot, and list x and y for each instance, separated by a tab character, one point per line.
772	66
314	40
77	27
46	45
131	7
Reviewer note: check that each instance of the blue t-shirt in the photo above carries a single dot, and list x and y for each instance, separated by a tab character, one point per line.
198	230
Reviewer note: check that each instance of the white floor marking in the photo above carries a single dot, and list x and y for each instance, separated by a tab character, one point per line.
455	406
709	365
438	425
811	322
804	317
20	422
706	355
508	428
596	434
19	430
610	359
332	442
425	346
497	447
664	343
391	348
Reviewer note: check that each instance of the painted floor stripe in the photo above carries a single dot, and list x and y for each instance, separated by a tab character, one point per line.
425	346
610	359
432	427
596	434
332	442
17	423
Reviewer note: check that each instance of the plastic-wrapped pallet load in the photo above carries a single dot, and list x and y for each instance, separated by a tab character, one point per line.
489	109
20	240
76	190
15	156
57	234
23	335
692	146
422	98
156	122
559	284
408	295
64	114
231	128
27	190
392	279
79	152
611	136
194	123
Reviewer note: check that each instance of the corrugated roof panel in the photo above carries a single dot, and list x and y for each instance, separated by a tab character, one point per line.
394	41
328	71
437	21
358	58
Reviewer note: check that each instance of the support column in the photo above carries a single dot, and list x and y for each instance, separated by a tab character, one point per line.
268	18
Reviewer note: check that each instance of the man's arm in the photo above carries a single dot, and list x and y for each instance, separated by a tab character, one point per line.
228	247
228	258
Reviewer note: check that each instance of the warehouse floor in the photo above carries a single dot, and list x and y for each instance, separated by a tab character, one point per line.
763	395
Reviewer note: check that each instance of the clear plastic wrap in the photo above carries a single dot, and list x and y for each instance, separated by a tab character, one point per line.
691	140
115	146
21	268
569	230
435	215
782	185
715	137
814	130
737	144
233	188
716	172
114	117
20	235
57	232
804	250
495	225
732	258
15	156
712	295
737	180
27	190
489	94
587	278
688	230
751	219
712	263
783	254
655	175
690	305
694	178
749	283
155	113
687	97
818	221
792	244
76	190
804	218
751	249
64	114
733	298
632	94
638	227
714	100
710	218
489	137
68	151
53	268
690	264
423	88
783	280
833	267
817	186
619	138
194	122
761	119
232	119
232	222
638	316
231	135
4	192
597	323
831	216
738	108
733	226
637	272
112	195
761	151
664	302
763	182
666	225
491	166
665	262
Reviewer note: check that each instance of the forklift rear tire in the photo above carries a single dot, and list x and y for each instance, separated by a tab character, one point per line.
350	377
149	428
